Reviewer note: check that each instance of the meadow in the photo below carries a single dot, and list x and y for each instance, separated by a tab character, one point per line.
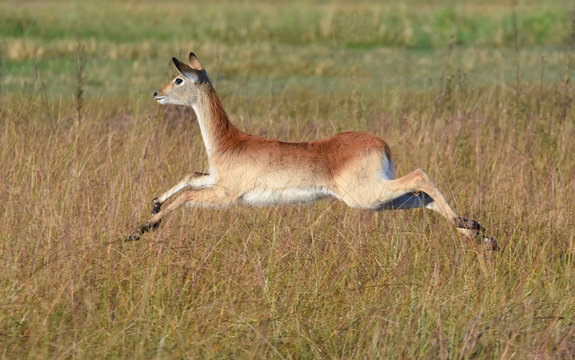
479	94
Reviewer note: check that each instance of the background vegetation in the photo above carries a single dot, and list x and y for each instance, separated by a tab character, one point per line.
479	94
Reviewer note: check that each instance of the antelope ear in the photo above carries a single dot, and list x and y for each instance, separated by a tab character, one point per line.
187	71
194	62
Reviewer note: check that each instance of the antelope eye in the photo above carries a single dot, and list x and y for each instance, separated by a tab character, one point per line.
178	81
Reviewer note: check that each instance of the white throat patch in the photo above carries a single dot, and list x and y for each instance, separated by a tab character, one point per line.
203	128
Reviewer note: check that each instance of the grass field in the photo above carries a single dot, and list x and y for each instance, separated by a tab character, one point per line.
482	99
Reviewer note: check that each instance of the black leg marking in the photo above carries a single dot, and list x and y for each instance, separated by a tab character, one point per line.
133	237
140	230
156	205
468	224
480	236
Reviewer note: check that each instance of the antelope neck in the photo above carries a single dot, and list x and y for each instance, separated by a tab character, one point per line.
217	131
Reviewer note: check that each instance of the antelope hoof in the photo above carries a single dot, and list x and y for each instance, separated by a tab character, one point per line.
133	237
488	242
142	229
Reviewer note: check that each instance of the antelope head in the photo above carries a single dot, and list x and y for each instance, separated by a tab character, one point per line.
184	88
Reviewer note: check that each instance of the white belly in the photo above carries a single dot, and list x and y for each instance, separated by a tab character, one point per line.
261	197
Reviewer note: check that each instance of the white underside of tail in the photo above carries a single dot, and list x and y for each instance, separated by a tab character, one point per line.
387	168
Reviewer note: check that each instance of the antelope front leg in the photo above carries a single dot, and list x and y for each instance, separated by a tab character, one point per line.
144	228
157	215
211	196
156	205
194	180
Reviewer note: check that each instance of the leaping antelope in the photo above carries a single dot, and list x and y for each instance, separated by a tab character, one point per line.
354	167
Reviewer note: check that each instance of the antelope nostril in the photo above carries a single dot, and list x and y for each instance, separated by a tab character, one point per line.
155	93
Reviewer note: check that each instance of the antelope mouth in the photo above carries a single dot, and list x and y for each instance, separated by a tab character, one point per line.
161	99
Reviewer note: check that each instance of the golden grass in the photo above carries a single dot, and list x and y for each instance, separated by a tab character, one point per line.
320	281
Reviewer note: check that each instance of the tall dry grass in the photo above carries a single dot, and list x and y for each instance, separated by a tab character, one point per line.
319	281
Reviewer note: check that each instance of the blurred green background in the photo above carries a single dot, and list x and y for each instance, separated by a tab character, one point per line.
257	46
